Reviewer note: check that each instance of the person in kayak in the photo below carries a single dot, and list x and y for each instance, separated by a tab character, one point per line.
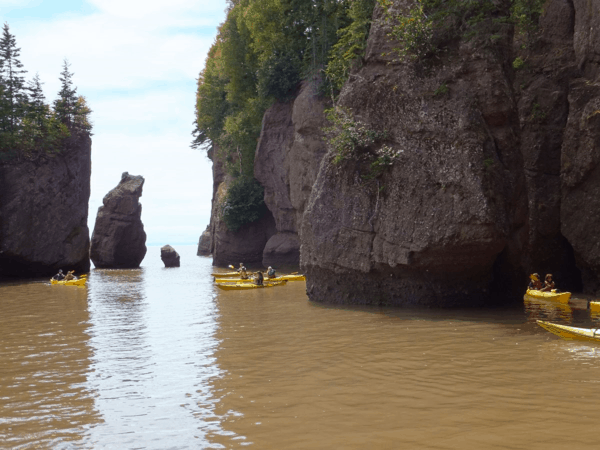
535	283
259	278
59	276
243	272
548	283
271	272
69	276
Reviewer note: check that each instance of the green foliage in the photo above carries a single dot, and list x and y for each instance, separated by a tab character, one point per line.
537	113
244	203
385	157
262	52
488	162
526	15
424	29
442	90
518	63
348	137
352	42
28	126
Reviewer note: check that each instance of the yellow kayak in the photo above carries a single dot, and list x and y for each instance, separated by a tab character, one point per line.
79	282
243	286
572	333
270	280
595	306
562	297
225	274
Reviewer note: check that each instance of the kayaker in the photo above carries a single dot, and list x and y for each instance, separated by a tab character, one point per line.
243	272
535	283
271	272
548	283
59	276
69	276
259	278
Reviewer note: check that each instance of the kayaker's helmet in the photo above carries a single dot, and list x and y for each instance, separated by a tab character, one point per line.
534	276
549	276
59	270
270	268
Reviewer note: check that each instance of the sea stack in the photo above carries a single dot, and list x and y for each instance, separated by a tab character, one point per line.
119	240
169	256
44	212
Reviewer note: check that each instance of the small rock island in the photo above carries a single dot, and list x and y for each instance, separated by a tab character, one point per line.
169	256
119	240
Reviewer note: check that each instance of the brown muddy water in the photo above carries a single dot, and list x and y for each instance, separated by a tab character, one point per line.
160	359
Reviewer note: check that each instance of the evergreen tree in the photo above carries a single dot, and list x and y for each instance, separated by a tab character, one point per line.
37	110
66	104
13	95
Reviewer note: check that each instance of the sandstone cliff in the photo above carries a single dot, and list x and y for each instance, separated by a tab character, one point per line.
287	161
497	174
44	211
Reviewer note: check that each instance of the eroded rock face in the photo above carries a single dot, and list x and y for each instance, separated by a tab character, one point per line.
288	155
580	161
119	240
43	214
431	228
205	243
169	256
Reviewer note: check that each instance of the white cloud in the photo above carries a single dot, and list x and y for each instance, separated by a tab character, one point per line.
135	9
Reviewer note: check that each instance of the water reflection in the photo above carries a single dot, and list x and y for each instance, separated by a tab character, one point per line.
153	331
540	309
45	361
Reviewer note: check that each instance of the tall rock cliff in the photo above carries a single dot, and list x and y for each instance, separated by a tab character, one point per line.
498	144
287	161
44	212
431	228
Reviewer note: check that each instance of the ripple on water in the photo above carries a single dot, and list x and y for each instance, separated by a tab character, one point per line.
156	358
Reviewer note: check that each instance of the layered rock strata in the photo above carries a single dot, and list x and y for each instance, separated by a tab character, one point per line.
169	256
44	211
119	240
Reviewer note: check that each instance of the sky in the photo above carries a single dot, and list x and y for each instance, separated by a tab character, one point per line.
136	62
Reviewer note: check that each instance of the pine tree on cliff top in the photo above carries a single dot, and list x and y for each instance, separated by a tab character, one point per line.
65	104
13	95
71	109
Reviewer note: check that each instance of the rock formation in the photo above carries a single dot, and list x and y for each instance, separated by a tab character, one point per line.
169	256
119	240
247	244
287	159
44	211
205	243
497	173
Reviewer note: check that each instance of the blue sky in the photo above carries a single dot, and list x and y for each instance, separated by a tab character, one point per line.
136	62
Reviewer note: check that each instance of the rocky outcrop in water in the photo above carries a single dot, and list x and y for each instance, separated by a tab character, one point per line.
169	256
44	211
205	243
119	240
